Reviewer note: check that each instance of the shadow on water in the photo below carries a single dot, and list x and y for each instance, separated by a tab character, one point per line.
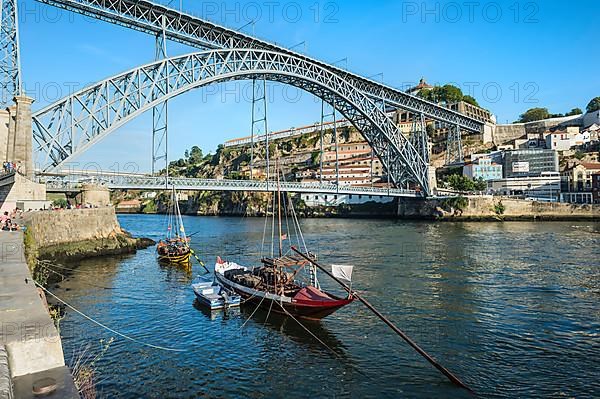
175	271
312	334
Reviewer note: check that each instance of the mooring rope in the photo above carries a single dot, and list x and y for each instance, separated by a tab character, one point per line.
258	306
46	266
308	331
64	277
106	327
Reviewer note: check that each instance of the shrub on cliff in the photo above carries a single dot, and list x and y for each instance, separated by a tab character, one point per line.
499	208
594	105
150	207
459	203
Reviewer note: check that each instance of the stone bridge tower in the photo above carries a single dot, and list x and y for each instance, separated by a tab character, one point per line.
16	136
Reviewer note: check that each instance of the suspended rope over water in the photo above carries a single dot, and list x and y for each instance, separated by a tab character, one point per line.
199	261
106	327
399	332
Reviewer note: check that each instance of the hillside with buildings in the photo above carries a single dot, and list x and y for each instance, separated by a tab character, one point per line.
551	159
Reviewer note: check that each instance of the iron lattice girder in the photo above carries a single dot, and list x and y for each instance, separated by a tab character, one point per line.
68	183
70	126
10	69
148	17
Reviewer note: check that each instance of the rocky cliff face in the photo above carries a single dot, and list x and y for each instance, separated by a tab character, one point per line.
292	154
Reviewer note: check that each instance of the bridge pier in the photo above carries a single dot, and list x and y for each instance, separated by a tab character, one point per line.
16	135
16	147
94	195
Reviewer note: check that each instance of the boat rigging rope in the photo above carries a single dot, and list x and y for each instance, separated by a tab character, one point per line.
308	331
262	246
64	277
258	306
295	222
106	327
268	314
45	263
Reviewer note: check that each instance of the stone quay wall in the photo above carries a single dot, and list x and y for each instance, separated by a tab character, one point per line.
62	227
77	234
488	208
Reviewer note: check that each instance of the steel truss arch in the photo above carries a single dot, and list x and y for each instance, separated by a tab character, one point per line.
152	18
72	125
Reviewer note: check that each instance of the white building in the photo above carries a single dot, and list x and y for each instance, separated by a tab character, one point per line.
336	200
558	141
545	187
483	168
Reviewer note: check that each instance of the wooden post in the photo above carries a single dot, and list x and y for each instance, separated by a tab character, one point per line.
405	337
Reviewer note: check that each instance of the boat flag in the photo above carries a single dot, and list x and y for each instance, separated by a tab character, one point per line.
169	228
342	272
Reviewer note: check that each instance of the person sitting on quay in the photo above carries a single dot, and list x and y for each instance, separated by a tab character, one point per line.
6	225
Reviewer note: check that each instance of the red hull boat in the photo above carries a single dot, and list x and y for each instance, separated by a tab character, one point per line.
285	284
276	294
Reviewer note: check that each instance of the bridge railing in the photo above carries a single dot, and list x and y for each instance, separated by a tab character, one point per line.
75	182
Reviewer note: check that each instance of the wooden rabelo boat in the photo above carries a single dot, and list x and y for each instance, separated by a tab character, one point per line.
175	248
286	283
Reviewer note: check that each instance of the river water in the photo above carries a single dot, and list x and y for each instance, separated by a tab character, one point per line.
513	309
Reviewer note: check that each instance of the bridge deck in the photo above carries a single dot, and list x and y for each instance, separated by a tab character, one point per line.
73	183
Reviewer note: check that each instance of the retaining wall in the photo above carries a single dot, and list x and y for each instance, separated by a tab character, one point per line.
67	226
487	207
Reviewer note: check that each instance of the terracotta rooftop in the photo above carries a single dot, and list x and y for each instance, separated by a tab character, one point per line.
591	165
422	85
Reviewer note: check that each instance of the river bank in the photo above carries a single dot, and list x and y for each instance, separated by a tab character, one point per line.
478	296
31	353
77	234
490	208
464	208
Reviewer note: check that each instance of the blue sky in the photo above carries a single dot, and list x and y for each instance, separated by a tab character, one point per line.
509	55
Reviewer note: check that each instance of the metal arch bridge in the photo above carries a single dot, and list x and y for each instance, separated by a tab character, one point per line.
72	183
69	127
160	20
364	104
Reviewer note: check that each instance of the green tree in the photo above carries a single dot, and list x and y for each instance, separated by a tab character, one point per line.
451	94
534	114
461	183
480	184
425	94
574	111
195	155
470	100
448	94
60	203
594	105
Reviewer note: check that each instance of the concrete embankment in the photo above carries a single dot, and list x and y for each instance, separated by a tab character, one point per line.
78	233
31	355
494	208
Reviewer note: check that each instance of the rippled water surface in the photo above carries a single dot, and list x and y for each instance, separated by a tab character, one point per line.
513	309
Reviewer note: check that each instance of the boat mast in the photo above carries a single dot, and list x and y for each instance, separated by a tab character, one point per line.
279	210
180	226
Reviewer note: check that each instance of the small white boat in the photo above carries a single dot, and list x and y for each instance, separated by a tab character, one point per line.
212	295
